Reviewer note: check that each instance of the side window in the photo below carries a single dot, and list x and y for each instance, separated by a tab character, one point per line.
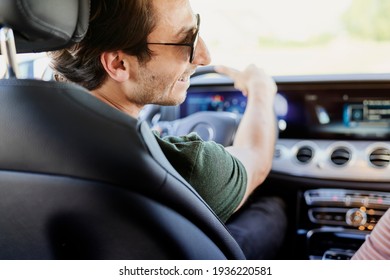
26	69
3	68
34	66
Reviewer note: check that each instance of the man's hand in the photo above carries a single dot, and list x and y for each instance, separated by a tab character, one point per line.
249	81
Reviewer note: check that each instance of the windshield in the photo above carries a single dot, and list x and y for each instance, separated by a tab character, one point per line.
298	37
286	37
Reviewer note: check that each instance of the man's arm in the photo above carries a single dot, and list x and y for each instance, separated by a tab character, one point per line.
255	138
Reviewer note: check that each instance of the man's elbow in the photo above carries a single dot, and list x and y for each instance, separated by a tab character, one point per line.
261	174
258	175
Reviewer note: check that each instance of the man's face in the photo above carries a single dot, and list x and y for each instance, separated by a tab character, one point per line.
165	79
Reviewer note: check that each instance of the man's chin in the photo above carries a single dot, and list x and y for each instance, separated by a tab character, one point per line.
178	98
173	102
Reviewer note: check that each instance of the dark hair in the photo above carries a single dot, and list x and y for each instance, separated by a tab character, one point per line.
113	25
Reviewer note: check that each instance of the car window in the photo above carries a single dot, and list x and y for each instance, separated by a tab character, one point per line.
298	37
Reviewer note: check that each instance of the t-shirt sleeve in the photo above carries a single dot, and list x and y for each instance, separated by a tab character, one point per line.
218	177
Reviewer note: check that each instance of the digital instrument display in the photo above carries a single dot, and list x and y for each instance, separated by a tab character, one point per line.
201	99
319	114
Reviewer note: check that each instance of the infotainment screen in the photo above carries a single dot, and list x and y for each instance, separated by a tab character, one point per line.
320	114
348	115
367	113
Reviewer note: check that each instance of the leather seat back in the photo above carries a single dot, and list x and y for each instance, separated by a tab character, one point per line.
81	180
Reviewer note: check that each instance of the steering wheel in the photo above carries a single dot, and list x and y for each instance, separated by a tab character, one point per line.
220	127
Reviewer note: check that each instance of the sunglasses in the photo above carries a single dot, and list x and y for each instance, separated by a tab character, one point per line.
193	43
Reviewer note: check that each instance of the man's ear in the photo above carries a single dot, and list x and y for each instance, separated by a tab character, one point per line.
115	66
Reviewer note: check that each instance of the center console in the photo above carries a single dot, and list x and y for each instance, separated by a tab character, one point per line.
338	220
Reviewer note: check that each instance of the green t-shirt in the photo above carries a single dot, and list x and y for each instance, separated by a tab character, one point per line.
218	177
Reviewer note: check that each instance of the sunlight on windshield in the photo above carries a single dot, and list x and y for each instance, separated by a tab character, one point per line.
298	37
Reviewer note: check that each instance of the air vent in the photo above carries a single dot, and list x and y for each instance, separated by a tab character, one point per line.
305	154
380	157
277	153
340	156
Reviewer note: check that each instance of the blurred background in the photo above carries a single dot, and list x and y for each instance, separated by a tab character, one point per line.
295	37
285	37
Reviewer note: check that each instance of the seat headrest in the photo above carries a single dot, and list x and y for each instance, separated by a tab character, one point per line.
44	25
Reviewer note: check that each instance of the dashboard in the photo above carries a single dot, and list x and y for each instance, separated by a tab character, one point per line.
352	114
331	159
329	127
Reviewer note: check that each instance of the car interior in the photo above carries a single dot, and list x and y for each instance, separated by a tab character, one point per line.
81	180
331	157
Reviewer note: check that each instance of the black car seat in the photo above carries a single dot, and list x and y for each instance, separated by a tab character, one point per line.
79	179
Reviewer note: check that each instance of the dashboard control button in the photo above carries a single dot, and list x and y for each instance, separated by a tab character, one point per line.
356	217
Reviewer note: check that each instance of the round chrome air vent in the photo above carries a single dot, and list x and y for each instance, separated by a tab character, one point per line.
305	154
380	157
340	156
277	153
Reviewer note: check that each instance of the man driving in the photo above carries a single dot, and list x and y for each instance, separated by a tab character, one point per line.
139	52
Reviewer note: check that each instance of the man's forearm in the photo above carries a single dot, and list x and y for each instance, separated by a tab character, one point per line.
255	138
